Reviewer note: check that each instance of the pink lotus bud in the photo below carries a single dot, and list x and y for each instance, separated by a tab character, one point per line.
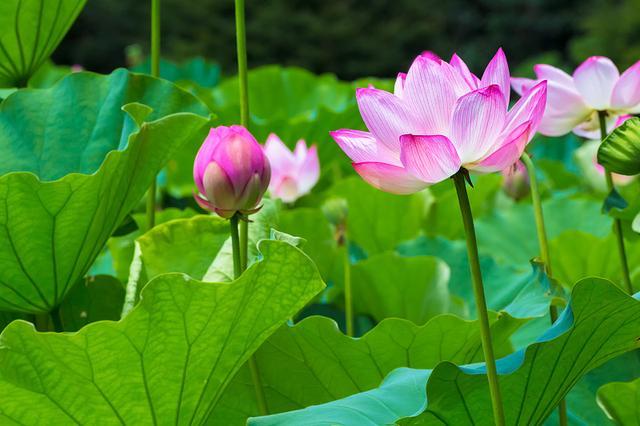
77	68
516	181
294	173
231	171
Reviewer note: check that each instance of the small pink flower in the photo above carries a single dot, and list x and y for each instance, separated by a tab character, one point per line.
77	68
231	172
573	101
441	117
293	173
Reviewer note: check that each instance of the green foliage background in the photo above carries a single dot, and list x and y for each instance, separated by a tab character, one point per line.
354	38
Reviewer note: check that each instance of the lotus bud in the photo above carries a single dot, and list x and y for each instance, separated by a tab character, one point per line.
231	172
516	181
336	211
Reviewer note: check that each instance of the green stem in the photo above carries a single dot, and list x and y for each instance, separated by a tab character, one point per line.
348	303
41	321
478	290
56	319
237	271
155	72
241	45
244	243
235	244
544	253
617	224
537	210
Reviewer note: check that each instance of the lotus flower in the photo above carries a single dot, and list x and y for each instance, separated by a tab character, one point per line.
293	173
440	118
574	101
231	172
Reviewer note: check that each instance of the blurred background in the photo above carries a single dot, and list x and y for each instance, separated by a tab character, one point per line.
355	38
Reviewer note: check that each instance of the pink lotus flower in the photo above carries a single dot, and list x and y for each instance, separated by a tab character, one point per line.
574	101
293	173
440	118
231	172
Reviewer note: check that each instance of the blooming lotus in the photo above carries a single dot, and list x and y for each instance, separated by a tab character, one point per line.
231	172
439	119
573	101
293	173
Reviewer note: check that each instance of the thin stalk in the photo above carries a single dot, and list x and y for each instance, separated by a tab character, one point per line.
241	47
348	303
235	244
237	271
544	253
56	319
155	72
41	321
481	304
617	224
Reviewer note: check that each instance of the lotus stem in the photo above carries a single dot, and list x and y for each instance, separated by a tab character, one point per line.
56	319
478	290
155	72
241	45
544	253
237	271
348	301
235	244
617	224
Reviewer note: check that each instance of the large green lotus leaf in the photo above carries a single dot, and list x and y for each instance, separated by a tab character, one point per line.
188	246
509	234
414	288
620	151
48	75
379	221
321	364
602	322
502	282
118	254
204	248
621	401
94	298
577	254
285	92
73	165
260	226
183	245
582	404
168	361
321	246
444	217
196	70
30	30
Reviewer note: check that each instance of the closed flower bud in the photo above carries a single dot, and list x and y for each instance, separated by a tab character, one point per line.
231	172
516	181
